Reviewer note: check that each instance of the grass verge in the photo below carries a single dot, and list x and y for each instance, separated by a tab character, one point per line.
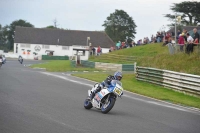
155	56
150	90
60	66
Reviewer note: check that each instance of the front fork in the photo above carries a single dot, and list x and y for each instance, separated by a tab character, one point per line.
107	99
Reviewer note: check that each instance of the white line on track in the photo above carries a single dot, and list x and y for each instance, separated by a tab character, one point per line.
169	105
78	82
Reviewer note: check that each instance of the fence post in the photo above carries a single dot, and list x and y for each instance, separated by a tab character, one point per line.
135	67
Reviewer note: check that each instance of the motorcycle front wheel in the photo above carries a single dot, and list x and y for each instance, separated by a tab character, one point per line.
106	107
87	104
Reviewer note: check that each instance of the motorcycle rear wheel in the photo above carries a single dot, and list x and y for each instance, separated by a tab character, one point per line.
87	104
105	108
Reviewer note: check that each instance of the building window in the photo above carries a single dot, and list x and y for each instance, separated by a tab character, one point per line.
22	45
45	46
25	45
65	47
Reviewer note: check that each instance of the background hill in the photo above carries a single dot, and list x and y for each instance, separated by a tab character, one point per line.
153	55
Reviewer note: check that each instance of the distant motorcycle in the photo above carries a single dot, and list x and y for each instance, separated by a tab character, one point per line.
20	60
105	99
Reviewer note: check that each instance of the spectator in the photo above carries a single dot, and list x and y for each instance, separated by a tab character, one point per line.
93	50
131	44
167	38
138	42
99	50
185	35
123	45
134	44
196	37
118	45
148	41
111	49
144	40
158	37
126	46
172	33
152	39
189	48
181	41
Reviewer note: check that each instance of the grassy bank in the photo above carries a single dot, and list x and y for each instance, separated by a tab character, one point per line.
143	88
156	56
60	66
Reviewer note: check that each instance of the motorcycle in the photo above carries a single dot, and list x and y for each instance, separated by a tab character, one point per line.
105	99
20	60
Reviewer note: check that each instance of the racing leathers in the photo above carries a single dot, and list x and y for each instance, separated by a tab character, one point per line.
103	84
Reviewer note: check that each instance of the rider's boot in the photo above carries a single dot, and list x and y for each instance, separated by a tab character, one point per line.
94	92
92	95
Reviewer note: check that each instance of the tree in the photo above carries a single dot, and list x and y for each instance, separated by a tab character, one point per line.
3	37
11	29
120	26
51	27
188	10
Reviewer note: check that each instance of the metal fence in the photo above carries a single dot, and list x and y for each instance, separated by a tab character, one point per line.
170	79
175	48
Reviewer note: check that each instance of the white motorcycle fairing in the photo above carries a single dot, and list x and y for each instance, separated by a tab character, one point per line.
105	99
96	101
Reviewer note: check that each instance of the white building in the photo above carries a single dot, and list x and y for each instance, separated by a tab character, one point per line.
35	42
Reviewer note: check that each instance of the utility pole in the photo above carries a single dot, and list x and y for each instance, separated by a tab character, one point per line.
55	23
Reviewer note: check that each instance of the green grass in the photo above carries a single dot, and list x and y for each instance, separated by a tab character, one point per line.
156	56
60	66
131	84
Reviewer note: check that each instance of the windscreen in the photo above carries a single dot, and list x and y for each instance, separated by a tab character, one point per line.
114	82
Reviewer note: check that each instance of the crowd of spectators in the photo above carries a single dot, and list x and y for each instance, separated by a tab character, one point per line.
184	39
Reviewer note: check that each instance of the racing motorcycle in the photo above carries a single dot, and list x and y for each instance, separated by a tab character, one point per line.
105	99
20	60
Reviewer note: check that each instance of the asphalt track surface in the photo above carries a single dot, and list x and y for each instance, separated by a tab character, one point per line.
36	101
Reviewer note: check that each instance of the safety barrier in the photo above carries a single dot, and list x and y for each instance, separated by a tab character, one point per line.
119	58
128	67
86	63
73	63
106	66
48	57
170	79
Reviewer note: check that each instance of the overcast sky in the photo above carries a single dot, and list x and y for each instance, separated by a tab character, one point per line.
87	14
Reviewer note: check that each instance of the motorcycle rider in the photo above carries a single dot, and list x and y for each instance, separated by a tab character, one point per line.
20	59
106	82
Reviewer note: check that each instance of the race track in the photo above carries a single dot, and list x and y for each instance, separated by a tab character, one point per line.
36	101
